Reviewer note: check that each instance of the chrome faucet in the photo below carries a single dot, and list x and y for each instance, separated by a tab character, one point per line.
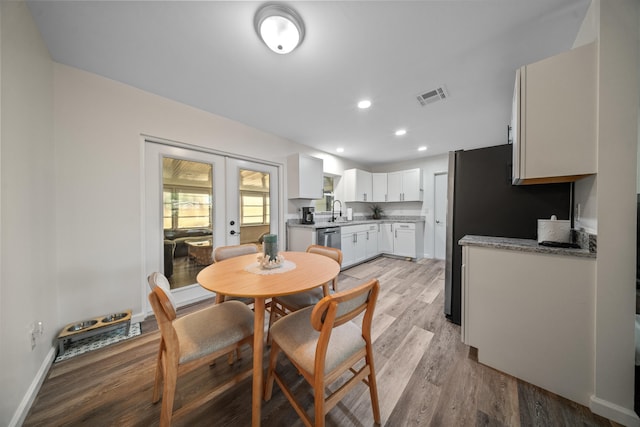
333	210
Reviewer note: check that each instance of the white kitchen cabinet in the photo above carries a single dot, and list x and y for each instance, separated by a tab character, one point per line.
305	179
379	187
354	245
401	239
405	186
348	249
553	123
371	239
299	238
359	243
404	239
357	185
531	315
385	238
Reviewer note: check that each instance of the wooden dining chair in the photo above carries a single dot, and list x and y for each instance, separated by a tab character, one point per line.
283	305
194	340
220	253
323	343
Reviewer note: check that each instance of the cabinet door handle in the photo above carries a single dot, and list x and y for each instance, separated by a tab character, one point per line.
396	234
367	235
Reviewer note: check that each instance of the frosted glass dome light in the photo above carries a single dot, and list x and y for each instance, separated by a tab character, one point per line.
279	27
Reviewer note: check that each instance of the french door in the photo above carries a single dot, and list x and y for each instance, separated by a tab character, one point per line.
195	201
252	201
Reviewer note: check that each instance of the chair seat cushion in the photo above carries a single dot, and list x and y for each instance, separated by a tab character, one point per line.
212	329
298	339
302	299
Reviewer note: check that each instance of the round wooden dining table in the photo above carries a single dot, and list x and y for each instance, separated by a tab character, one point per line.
240	276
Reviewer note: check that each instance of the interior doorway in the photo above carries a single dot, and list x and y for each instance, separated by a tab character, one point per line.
440	216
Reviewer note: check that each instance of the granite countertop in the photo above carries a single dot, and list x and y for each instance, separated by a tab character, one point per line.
354	222
523	245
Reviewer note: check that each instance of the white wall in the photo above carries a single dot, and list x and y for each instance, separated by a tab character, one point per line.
608	202
618	87
98	128
586	190
27	214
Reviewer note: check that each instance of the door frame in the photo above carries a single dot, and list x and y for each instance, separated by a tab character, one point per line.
189	295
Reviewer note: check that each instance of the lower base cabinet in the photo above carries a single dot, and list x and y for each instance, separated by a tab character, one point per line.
531	315
404	240
385	238
365	241
359	242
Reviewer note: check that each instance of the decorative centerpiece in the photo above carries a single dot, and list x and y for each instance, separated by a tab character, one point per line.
270	257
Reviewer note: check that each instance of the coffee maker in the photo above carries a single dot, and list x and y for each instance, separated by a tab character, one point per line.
307	215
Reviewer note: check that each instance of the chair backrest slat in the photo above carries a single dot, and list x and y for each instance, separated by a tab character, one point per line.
348	305
333	253
160	287
221	253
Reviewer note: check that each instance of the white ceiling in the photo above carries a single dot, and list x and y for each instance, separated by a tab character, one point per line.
206	54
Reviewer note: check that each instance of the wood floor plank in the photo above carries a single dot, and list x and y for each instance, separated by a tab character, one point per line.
440	384
498	398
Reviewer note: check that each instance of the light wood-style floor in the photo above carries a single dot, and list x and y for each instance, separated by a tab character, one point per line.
426	376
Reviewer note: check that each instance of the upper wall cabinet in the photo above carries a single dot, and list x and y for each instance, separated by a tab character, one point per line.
553	123
379	187
304	177
357	185
404	186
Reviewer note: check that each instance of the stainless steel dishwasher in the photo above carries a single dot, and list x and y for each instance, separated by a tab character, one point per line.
329	236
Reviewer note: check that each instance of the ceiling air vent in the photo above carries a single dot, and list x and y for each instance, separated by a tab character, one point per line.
432	96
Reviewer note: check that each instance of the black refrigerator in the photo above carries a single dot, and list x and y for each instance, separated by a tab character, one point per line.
482	201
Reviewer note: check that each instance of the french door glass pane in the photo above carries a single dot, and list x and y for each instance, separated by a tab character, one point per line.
254	205
187	218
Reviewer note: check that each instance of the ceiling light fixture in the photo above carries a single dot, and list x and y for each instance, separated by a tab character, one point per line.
364	104
423	148
339	149
401	132
279	27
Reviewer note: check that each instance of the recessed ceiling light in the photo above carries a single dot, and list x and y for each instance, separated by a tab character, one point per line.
365	103
401	132
339	149
423	148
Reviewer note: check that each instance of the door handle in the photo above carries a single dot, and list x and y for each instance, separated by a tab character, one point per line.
234	232
437	221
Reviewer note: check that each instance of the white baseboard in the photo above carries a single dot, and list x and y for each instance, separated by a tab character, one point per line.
23	409
138	317
617	413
